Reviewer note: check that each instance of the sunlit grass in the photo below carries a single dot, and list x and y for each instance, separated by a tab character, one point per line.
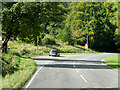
0	82
113	61
18	78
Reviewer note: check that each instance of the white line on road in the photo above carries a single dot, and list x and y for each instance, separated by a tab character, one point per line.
83	78
34	77
74	61
73	64
77	70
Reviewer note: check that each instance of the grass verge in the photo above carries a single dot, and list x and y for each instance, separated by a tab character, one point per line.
113	61
18	78
31	50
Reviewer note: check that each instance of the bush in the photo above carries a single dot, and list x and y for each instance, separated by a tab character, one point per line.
16	80
48	40
59	36
118	49
18	40
67	35
10	64
66	43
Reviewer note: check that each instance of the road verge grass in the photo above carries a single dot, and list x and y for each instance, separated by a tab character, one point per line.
113	61
31	50
16	80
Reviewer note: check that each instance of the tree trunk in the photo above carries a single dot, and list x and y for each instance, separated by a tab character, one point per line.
75	42
4	47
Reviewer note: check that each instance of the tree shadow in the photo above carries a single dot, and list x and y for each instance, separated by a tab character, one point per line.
77	66
77	63
66	60
115	66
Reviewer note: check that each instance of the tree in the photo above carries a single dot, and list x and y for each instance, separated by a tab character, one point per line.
81	21
51	17
54	26
92	19
116	21
26	19
104	29
67	34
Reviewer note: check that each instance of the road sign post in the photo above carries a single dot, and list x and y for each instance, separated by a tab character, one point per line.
86	47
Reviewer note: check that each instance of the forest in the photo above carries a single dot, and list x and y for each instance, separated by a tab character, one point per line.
75	23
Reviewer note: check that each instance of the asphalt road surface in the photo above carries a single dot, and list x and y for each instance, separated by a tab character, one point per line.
73	71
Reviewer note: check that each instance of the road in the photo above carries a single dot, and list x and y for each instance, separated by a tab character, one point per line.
73	71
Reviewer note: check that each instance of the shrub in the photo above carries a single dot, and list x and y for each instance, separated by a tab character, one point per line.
16	80
18	40
48	40
67	34
66	43
10	64
59	36
118	49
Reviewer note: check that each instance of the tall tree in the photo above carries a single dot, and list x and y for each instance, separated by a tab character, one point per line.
67	34
92	19
115	20
26	19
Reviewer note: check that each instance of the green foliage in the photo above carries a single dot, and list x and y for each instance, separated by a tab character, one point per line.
67	34
117	39
26	19
116	21
17	79
93	19
18	40
48	40
59	36
32	50
10	64
66	43
71	22
113	61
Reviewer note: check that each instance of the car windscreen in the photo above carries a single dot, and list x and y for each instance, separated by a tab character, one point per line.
53	50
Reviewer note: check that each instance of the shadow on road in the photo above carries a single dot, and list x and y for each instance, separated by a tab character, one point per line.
66	60
77	64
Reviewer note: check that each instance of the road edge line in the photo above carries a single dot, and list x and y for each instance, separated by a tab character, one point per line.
33	77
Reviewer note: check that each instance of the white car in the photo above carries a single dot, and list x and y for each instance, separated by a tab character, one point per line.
54	52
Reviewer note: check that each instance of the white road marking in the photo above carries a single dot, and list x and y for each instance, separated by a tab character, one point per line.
73	64
83	78
77	70
33	77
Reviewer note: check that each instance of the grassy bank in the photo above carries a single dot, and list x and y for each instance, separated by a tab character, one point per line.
31	50
18	77
113	61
